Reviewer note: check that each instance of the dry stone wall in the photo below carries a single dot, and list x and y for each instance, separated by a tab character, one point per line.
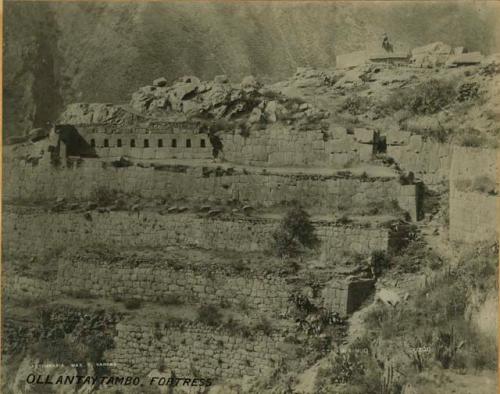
35	232
160	283
183	145
430	161
24	181
20	286
281	146
155	282
474	214
194	350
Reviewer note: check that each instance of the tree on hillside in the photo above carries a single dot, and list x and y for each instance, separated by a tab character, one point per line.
295	233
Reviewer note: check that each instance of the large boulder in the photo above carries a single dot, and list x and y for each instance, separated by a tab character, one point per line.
255	116
388	297
218	95
250	83
37	134
141	100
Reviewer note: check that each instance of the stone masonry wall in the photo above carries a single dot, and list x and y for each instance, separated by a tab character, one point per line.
154	282
281	146
21	286
193	350
474	215
278	145
34	233
23	181
183	145
430	161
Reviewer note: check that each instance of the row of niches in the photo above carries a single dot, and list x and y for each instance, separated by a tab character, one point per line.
148	143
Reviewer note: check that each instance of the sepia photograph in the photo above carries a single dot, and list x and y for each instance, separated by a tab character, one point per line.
262	197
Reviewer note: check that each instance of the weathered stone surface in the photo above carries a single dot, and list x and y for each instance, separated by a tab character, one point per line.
160	82
255	116
388	297
180	348
150	229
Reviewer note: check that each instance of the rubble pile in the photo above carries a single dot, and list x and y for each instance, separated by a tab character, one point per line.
310	77
218	99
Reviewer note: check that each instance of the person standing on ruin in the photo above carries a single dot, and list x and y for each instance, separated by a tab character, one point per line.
386	44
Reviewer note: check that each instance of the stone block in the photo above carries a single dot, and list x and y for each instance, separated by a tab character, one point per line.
363	135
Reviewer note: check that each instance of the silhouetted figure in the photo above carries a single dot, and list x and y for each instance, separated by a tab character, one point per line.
386	44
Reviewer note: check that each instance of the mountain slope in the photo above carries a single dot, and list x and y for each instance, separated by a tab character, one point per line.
57	53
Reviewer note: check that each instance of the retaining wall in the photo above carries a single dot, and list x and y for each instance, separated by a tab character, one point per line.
24	181
266	294
194	350
281	146
430	161
474	214
34	232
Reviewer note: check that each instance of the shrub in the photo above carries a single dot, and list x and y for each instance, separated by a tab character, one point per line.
446	346
472	138
172	299
132	303
344	219
463	184
484	184
224	304
346	367
55	350
480	184
103	195
295	233
236	328
243	305
428	97
415	256
468	91
356	105
239	266
209	315
82	294
379	261
265	326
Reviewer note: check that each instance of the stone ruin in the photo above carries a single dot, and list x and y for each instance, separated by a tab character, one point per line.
203	171
428	56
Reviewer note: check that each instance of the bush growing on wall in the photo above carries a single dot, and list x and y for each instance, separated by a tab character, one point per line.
295	233
209	315
103	195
